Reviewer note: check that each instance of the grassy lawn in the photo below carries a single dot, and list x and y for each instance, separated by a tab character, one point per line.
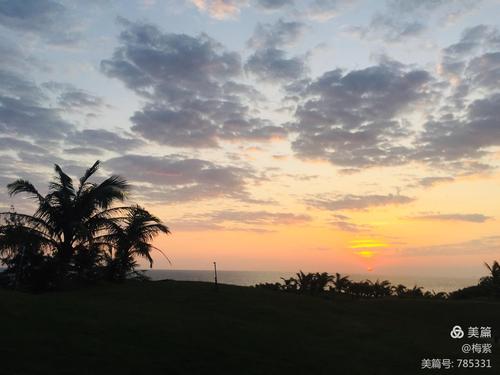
189	328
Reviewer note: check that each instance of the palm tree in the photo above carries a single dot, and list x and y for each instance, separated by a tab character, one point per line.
304	281
491	283
341	283
494	270
290	285
416	291
381	288
400	290
68	217
130	237
70	224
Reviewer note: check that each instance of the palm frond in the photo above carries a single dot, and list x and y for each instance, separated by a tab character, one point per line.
23	186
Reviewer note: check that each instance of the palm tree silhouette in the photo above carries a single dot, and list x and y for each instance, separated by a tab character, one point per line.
71	224
400	290
131	236
341	283
491	283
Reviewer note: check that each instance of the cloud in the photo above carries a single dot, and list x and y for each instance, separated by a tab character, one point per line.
272	65
9	143
45	18
404	19
345	224
235	220
279	34
324	10
484	245
454	138
24	111
471	64
474	39
71	98
356	119
269	62
433	180
274	4
104	139
15	58
260	217
228	9
173	178
464	129
84	151
393	29
472	218
220	9
189	83
360	118
318	10
358	202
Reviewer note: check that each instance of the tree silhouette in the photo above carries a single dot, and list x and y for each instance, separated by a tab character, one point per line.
341	283
70	225
130	237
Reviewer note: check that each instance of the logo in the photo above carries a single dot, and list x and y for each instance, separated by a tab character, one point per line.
457	332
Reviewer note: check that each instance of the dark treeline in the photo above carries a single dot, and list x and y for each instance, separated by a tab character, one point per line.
78	234
327	285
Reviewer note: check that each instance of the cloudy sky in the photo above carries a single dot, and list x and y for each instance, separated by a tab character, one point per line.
329	135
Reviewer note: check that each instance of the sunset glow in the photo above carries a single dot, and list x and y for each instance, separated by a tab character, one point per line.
340	136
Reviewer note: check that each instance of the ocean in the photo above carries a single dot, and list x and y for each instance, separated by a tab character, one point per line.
248	278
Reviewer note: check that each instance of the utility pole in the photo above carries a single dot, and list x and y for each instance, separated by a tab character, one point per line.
215	275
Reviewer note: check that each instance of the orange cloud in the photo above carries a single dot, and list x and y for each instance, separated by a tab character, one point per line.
220	9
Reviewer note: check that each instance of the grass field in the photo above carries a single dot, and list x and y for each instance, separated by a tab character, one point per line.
173	327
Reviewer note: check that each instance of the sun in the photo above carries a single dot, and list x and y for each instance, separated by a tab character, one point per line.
369	243
366	248
366	253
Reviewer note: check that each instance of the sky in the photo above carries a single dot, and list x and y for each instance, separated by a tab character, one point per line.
346	136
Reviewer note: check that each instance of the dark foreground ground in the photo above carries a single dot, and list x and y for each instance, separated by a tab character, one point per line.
188	328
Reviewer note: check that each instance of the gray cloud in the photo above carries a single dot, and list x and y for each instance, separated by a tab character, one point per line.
358	202
392	28
452	138
277	35
403	19
235	220
103	139
321	10
260	217
483	245
272	65
472	218
345	224
354	119
465	127
173	178
46	18
23	110
324	10
472	64
9	143
432	180
474	39
358	119
274	4
84	151
269	62
71	98
189	82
